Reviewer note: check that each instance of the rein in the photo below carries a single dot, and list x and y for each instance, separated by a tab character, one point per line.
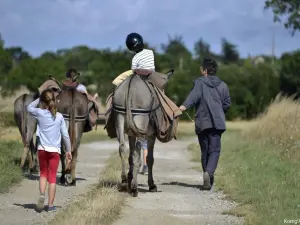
189	117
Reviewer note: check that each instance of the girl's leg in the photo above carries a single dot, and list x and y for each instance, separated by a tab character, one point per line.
43	170
52	171
43	178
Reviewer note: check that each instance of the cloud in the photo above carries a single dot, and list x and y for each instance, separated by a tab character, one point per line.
40	25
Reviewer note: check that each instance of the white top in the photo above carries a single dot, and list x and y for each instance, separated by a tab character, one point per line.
49	130
82	88
143	60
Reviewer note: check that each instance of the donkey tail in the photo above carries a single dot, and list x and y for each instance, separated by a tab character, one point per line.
128	100
24	121
72	123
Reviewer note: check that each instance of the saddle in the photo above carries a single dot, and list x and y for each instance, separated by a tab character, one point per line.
57	88
166	123
158	79
69	85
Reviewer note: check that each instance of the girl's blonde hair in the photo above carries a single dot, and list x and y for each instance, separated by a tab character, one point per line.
48	99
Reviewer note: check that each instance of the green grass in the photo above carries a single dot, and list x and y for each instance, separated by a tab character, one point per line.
10	152
95	135
266	186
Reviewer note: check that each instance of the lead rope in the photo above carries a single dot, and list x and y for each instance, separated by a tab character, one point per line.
189	116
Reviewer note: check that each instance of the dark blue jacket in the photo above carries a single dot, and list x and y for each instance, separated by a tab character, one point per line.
210	96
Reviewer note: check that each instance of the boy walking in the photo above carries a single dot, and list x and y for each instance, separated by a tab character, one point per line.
210	96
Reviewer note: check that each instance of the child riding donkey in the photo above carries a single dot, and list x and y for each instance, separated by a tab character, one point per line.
71	82
143	64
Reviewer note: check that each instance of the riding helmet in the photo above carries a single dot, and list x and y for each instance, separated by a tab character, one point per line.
134	42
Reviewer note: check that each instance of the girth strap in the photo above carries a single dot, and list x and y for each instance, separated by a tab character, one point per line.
77	118
134	111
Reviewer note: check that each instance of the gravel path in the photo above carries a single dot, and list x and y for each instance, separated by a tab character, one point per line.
180	201
17	206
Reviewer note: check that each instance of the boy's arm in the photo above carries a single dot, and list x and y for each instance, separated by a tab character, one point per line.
193	97
226	100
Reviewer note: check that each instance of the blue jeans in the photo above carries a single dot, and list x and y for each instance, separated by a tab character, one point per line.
144	145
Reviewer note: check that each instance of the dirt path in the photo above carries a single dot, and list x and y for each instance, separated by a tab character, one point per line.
17	206
180	202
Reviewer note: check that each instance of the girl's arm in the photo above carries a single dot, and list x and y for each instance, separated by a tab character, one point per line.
65	135
32	108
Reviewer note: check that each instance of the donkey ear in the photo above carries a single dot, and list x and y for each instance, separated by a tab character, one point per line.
170	73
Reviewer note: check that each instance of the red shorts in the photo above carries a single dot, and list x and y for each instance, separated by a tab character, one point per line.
49	162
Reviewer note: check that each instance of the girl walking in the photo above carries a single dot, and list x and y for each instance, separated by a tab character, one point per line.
51	127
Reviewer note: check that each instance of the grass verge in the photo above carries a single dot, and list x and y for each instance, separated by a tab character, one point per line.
102	205
95	135
10	152
265	185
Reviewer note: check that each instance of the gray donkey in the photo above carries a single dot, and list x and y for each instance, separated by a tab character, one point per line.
27	126
134	104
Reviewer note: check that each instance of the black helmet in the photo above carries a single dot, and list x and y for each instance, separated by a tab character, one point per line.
134	42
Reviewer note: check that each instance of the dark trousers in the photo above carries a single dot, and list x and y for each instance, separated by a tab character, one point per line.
210	144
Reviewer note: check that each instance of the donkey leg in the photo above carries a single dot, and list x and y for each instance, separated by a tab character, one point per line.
35	158
136	158
150	162
24	156
122	146
63	166
131	140
73	167
30	155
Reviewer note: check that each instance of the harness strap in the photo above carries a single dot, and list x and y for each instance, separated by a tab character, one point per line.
77	118
134	111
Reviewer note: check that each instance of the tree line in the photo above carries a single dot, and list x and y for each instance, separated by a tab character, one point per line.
253	82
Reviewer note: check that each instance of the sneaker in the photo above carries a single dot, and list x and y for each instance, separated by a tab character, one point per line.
51	209
40	203
206	181
145	170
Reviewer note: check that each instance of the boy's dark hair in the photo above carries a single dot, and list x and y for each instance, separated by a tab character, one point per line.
71	73
210	65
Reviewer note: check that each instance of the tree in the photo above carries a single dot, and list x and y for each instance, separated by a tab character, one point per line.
290	9
177	53
229	52
290	73
202	49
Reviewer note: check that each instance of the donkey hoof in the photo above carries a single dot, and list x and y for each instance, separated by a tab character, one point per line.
134	192
153	188
73	183
62	181
68	178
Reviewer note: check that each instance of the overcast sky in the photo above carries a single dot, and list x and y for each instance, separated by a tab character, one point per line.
41	25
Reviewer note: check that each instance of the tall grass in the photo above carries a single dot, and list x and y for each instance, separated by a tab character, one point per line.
280	127
259	166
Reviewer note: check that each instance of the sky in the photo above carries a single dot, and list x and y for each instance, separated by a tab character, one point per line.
48	25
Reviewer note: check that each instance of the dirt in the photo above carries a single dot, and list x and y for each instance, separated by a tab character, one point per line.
179	200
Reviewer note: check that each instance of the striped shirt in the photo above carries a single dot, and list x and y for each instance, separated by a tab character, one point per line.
143	60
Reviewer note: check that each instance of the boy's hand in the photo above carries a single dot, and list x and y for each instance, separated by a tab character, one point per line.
182	108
